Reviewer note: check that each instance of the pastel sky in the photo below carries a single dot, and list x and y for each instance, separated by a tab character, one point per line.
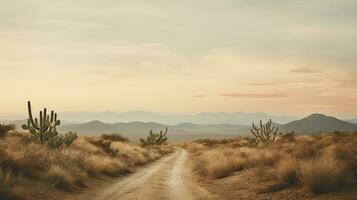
291	57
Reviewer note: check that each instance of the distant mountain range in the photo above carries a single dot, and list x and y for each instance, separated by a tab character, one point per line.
135	130
201	118
313	124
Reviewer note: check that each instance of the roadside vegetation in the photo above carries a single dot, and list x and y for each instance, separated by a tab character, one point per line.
319	163
66	161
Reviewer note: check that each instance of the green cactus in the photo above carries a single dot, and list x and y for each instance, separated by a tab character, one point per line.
44	128
155	138
266	133
62	141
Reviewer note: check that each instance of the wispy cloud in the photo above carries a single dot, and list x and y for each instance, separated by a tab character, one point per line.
255	95
322	30
304	70
199	96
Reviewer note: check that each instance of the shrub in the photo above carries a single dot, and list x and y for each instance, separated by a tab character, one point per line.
289	136
219	163
7	191
115	137
286	171
60	177
62	141
154	138
6	128
322	175
104	145
253	142
207	141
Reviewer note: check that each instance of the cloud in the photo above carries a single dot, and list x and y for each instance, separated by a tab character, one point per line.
199	96
255	95
322	31
304	70
346	80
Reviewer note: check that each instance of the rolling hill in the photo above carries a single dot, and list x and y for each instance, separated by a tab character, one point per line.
135	130
318	123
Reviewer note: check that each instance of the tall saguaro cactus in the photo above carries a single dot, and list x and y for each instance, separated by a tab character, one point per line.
266	133
43	128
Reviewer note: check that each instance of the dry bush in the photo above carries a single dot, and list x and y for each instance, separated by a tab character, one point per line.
286	171
96	164
323	175
30	160
7	190
207	141
4	128
104	145
59	177
115	137
346	151
194	148
219	163
231	142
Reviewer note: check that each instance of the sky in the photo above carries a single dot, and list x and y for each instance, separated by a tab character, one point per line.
288	57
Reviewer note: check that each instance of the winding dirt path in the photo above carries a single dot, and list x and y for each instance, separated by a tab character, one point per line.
167	178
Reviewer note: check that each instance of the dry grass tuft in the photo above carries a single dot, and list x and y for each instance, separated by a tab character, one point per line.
115	137
7	190
60	178
286	171
323	175
219	164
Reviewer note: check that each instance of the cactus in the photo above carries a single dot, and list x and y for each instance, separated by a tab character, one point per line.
155	138
44	128
62	141
266	133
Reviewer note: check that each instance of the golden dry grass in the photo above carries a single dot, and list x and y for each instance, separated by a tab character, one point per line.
321	163
218	164
68	168
7	189
323	175
286	171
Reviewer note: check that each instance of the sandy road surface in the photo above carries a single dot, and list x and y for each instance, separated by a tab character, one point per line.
167	178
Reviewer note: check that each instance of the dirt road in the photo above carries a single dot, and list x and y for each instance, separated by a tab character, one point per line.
167	178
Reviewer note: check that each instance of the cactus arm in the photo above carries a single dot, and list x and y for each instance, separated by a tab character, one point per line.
34	123
52	113
165	132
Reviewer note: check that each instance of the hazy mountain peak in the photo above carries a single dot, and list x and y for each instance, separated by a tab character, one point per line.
318	123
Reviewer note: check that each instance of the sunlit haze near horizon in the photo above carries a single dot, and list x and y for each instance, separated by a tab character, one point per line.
282	57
